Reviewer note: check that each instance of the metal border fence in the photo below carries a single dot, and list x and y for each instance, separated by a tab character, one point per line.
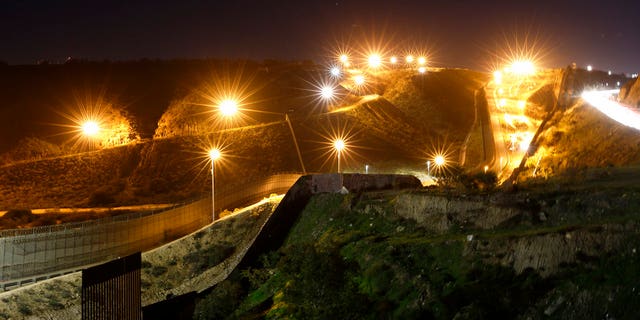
29	255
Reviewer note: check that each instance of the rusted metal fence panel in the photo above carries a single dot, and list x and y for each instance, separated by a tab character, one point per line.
112	290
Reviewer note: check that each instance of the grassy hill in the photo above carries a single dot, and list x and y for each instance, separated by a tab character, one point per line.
428	255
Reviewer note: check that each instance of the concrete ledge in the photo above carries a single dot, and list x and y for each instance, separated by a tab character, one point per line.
333	182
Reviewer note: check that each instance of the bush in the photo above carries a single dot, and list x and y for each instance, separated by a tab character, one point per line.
221	302
101	198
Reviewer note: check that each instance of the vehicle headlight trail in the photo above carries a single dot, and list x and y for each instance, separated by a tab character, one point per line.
613	109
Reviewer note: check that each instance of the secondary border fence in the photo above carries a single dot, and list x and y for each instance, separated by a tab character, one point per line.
30	255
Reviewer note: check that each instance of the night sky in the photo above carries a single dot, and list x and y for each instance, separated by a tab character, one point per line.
468	34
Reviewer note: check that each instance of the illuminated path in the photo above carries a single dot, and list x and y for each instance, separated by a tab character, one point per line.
623	114
512	129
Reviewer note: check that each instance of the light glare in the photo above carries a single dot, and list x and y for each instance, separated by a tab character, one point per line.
90	128
375	61
214	154
523	67
326	92
228	107
497	77
338	144
335	71
614	110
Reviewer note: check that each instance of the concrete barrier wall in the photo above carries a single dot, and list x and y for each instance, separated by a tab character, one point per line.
28	255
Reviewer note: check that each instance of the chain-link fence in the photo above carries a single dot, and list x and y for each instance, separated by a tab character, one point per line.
29	255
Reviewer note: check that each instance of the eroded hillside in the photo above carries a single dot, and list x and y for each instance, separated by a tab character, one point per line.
422	254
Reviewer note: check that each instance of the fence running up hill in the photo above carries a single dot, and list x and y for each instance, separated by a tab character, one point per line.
29	255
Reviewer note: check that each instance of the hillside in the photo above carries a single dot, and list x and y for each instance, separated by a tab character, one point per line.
392	133
37	100
630	93
422	254
579	139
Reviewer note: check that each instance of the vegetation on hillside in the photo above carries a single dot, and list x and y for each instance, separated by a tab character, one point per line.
351	257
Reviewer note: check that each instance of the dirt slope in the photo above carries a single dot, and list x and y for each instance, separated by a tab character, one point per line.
580	138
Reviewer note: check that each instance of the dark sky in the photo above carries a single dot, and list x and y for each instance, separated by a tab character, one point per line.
460	33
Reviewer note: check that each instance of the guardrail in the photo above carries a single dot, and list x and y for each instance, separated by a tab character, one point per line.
29	255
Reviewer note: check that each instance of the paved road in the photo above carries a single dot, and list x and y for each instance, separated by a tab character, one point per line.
605	102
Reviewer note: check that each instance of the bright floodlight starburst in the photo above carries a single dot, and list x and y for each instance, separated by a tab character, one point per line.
339	144
375	61
228	107
90	128
326	92
214	154
335	71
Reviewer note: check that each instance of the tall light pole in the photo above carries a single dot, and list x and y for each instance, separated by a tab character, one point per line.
295	142
214	154
338	144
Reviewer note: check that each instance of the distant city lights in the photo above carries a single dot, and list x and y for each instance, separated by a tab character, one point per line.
422	69
422	61
589	68
393	60
409	59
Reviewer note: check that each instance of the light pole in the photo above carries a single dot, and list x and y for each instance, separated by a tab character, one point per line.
366	169
295	142
214	154
338	144
428	168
